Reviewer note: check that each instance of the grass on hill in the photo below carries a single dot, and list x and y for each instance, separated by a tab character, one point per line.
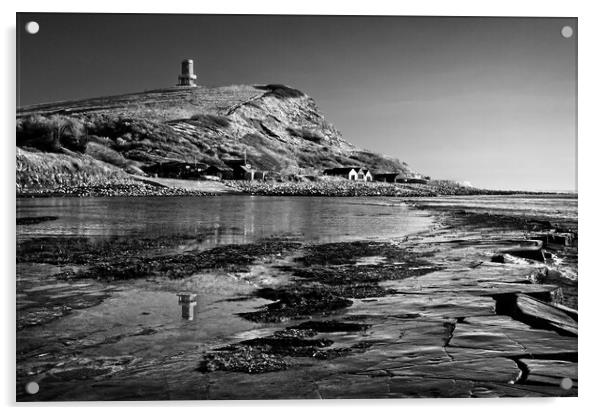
36	170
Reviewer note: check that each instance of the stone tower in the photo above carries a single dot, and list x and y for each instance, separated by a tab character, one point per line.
187	78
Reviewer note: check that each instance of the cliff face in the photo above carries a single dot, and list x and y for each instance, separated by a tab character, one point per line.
279	128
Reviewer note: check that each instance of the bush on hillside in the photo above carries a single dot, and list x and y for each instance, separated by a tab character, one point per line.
280	91
106	154
105	125
52	133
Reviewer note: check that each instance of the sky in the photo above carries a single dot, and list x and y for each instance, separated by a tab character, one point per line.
490	101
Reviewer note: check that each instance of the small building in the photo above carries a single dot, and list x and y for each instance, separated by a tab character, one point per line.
245	172
221	172
261	175
241	170
388	177
275	176
418	180
364	174
396	177
176	170
411	178
350	173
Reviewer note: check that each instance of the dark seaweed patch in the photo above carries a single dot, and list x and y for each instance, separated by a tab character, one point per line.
124	259
35	220
272	353
330	326
341	253
296	303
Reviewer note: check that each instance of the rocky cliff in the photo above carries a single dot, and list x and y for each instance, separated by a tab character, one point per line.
279	128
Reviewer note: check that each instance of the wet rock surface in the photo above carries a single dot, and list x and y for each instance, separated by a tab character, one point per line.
442	325
427	316
329	326
551	372
330	275
40	304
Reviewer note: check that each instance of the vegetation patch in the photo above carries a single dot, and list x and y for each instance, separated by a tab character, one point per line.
280	91
38	173
51	133
108	155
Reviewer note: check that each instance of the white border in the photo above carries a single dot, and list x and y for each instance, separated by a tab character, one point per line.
590	132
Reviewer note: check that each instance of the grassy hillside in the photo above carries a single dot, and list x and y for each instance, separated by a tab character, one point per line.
47	170
279	128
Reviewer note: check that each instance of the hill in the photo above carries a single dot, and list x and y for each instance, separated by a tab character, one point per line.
278	128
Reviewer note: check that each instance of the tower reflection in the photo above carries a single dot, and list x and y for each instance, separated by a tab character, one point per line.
186	300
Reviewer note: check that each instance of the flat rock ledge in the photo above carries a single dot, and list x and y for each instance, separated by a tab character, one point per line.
472	328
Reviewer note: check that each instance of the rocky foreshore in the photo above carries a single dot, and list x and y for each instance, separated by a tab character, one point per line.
139	186
435	314
134	190
347	188
342	188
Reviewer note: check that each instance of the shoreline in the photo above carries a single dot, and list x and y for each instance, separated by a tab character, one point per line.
148	187
412	316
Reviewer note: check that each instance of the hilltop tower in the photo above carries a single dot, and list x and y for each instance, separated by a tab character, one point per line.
187	78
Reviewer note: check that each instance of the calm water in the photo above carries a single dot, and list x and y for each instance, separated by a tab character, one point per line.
223	219
243	219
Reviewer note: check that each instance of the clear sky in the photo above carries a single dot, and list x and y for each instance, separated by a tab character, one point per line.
491	101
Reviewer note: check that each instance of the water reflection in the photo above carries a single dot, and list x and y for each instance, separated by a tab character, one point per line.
186	300
222	220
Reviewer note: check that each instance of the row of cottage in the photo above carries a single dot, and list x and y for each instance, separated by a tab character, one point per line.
363	174
239	169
